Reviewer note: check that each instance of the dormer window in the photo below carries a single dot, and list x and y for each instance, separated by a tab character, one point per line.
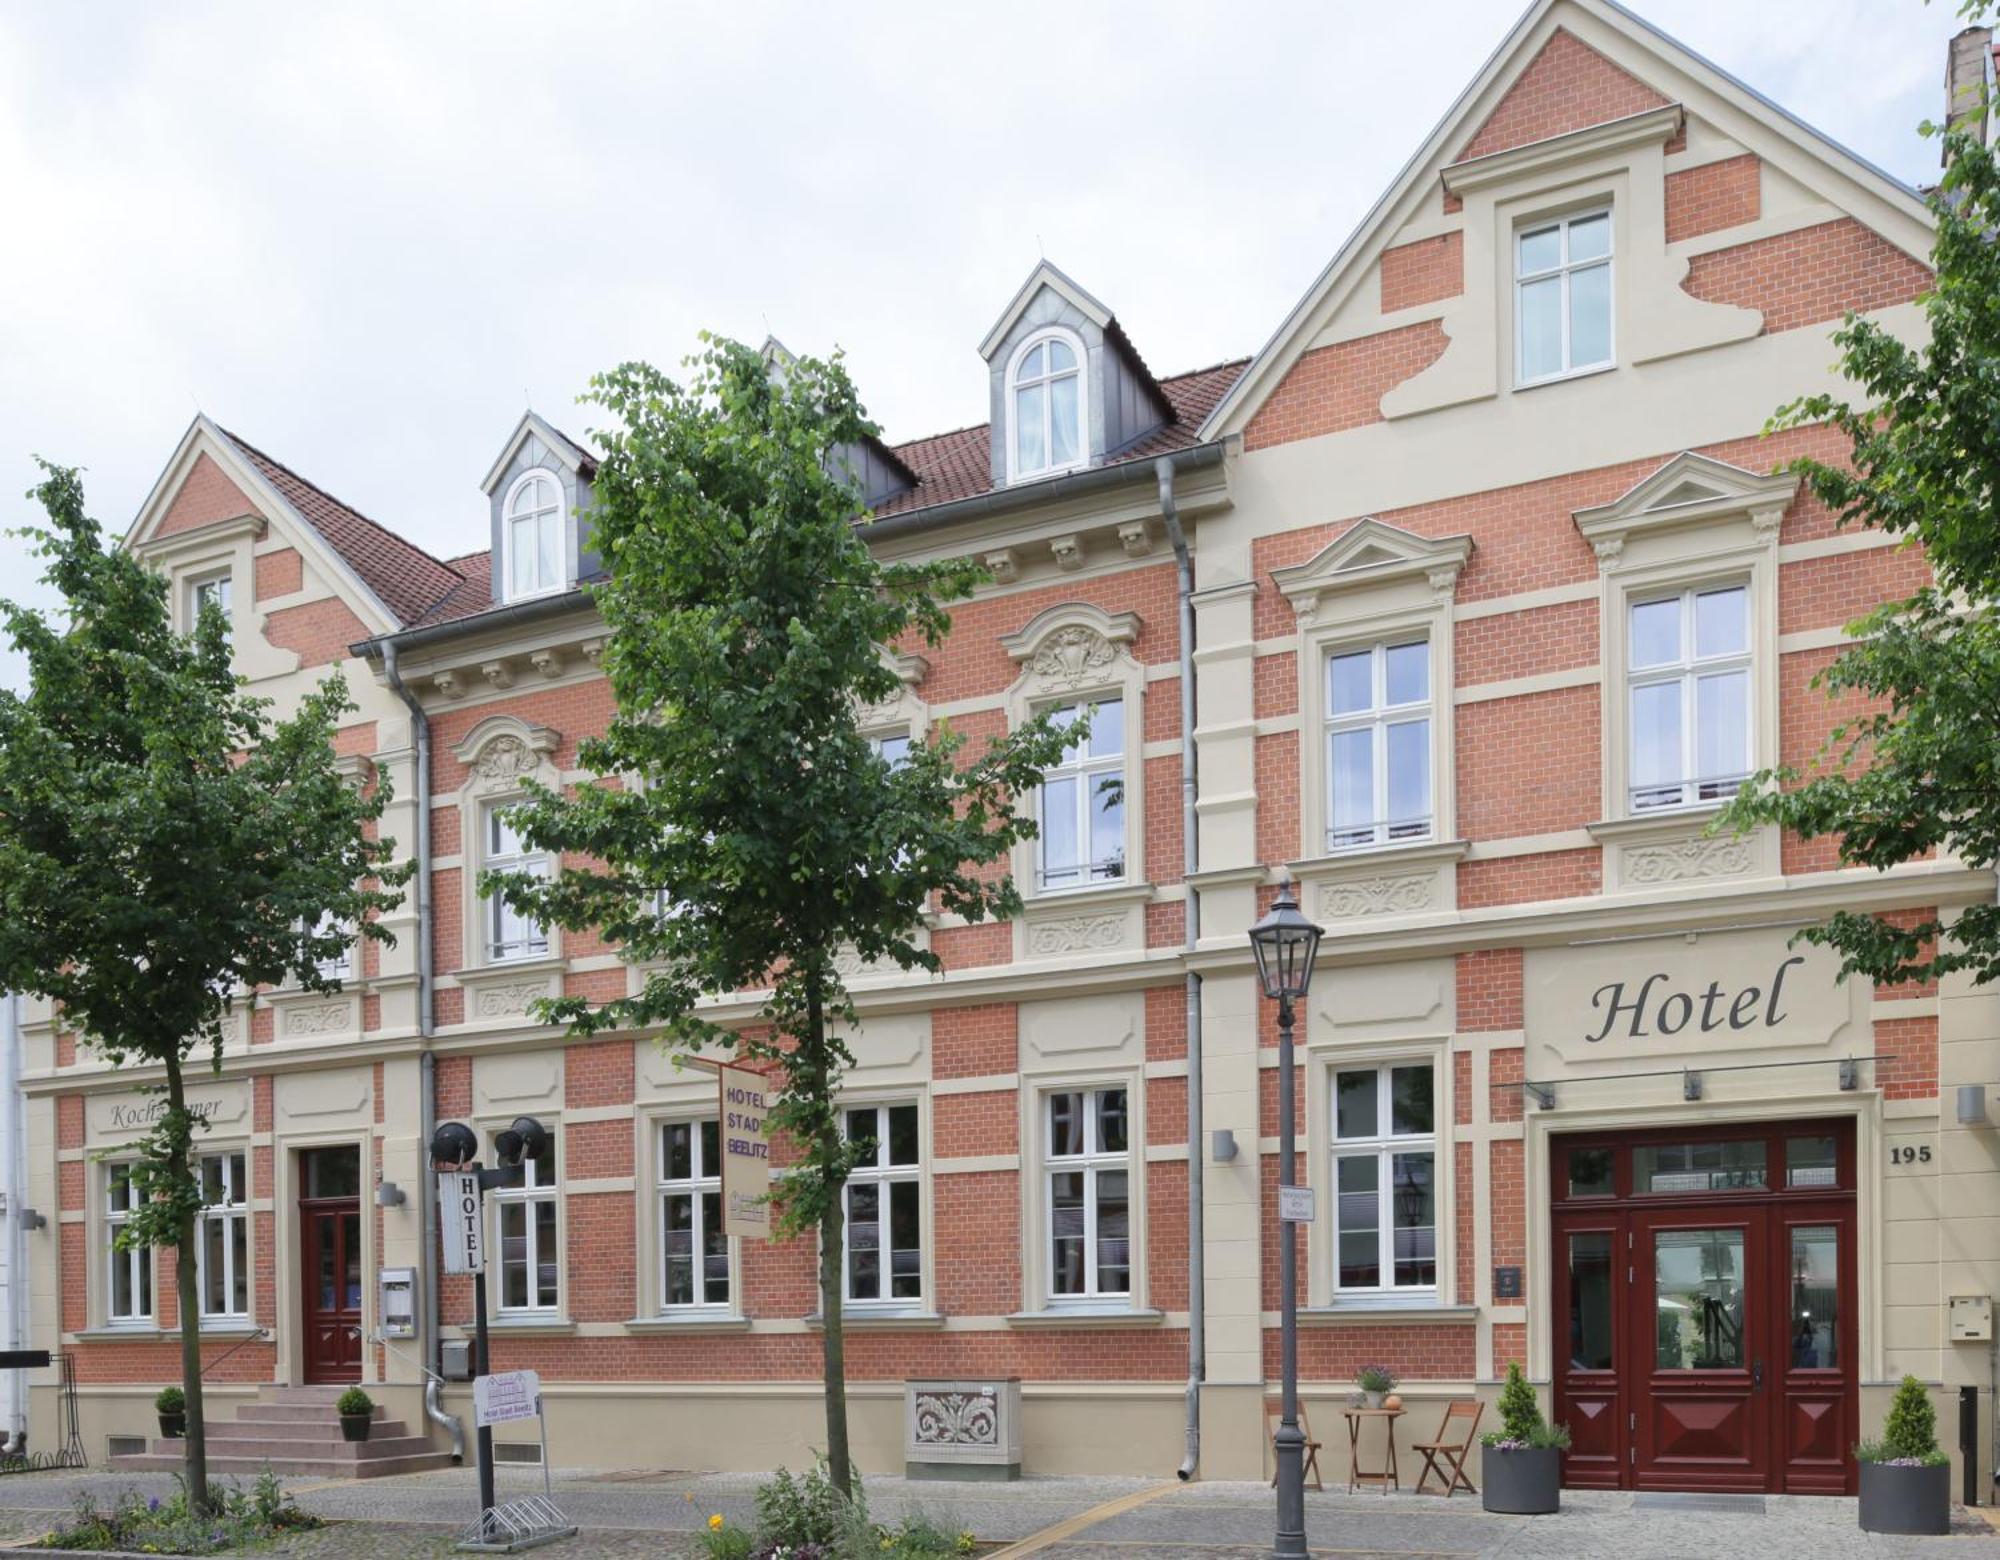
1045	400
534	527
1562	288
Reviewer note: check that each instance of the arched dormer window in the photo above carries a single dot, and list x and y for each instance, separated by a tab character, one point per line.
534	532
1045	405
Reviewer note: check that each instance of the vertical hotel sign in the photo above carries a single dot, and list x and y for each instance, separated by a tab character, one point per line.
746	1153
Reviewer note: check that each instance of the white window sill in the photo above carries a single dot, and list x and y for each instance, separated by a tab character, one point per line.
1588	372
877	1318
126	1330
526	1322
1120	891
690	1322
1416	1309
1677	819
1045	473
1396	852
1088	1316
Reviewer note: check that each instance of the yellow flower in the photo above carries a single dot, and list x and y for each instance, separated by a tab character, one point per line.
715	1523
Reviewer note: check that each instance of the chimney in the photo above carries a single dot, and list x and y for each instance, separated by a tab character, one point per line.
1965	80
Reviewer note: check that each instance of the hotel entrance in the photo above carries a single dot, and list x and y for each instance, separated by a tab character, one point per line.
1704	1308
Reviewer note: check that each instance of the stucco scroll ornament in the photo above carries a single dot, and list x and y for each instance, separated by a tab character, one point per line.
957	1419
1377	896
1677	861
505	758
505	1001
1071	657
326	1019
1076	934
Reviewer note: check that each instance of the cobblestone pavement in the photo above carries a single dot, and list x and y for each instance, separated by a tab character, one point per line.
657	1511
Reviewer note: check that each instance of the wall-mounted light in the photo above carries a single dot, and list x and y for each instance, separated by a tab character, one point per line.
389	1195
1222	1145
31	1220
1972	1105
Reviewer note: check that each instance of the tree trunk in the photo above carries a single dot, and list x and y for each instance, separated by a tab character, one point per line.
838	1465
188	1300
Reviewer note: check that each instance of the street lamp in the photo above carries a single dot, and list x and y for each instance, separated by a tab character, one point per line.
453	1147
1285	944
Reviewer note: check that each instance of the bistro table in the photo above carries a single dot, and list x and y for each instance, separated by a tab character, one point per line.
1385	1476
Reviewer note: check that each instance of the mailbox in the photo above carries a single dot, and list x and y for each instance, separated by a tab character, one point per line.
398	1302
455	1359
1971	1318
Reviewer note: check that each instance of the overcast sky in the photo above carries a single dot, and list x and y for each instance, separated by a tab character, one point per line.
364	236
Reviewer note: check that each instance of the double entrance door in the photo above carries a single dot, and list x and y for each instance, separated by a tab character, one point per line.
1705	1309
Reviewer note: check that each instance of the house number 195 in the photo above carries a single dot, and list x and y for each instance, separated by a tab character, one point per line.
1910	1154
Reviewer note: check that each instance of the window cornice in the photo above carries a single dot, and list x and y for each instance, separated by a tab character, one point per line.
1689	490
1372	553
1617	135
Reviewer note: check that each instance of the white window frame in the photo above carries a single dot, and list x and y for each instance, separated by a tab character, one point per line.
1092	1163
541	1182
505	936
1014	384
221	585
882	1175
706	1180
540	515
342	967
1383	1146
138	1262
1565	269
233	1213
1687	671
1087	771
1377	719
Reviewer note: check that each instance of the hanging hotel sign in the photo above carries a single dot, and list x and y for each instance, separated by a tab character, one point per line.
746	1152
1678	997
459	1223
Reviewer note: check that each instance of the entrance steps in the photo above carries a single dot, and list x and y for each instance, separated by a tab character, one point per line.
294	1430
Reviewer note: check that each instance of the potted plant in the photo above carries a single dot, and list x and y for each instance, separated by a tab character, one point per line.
357	1412
1523	1462
1905	1478
1374	1381
171	1405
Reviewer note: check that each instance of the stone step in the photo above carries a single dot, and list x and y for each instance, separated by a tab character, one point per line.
271	1392
295	1414
329	1448
242	1432
247	1468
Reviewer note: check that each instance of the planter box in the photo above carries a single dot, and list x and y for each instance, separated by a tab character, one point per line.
1905	1500
962	1429
174	1426
355	1427
1526	1483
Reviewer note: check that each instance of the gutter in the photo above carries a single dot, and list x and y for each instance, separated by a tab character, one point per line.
420	735
513	615
1190	862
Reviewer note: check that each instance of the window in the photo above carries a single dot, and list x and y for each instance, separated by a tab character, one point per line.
341	965
222	1249
892	747
1378	745
1045	394
884	1248
1082	810
694	1251
1562	292
1087	1174
215	591
528	1248
128	1289
534	529
509	934
1384	1178
1689	659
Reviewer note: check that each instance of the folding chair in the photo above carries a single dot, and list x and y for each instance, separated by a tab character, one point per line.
1445	1456
1274	1414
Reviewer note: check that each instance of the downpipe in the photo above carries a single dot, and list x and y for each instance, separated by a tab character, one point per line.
420	732
17	1190
1190	860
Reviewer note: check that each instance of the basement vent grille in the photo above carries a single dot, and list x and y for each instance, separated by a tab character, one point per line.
517	1452
125	1445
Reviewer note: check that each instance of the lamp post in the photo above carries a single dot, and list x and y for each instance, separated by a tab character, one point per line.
1285	944
453	1146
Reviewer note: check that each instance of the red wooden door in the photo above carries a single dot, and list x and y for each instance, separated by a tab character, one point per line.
330	1240
1813	1376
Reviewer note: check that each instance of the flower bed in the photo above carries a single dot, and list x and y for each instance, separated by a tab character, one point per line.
170	1526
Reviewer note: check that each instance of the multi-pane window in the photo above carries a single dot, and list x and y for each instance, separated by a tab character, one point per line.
1047	399
694	1251
529	1267
1082	813
222	1251
341	965
128	1288
884	1246
215	591
1087	1173
1562	290
1378	745
510	934
1384	1178
1689	695
534	527
893	748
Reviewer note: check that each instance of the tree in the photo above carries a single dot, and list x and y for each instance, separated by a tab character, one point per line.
165	847
751	834
1913	767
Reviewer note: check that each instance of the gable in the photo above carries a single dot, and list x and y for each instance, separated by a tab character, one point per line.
1567	86
207	495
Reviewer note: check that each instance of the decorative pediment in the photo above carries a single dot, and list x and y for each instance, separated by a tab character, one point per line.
1688	490
1072	646
902	706
1044	277
1372	553
504	749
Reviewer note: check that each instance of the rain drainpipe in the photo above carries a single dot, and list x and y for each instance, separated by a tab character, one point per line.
16	1192
1190	860
420	731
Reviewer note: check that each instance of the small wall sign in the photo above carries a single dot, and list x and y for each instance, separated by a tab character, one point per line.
1295	1205
1506	1283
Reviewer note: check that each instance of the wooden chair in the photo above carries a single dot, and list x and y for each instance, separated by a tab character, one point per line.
1445	1456
1274	1414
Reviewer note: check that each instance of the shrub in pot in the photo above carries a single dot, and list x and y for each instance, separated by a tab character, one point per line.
357	1412
1522	1466
171	1405
1374	1381
1905	1476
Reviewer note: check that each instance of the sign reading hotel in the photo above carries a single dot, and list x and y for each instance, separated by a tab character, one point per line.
746	1153
459	1224
1676	997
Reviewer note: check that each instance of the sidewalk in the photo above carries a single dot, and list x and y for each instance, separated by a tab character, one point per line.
656	1512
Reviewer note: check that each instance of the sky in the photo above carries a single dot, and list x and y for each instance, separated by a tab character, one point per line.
366	236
